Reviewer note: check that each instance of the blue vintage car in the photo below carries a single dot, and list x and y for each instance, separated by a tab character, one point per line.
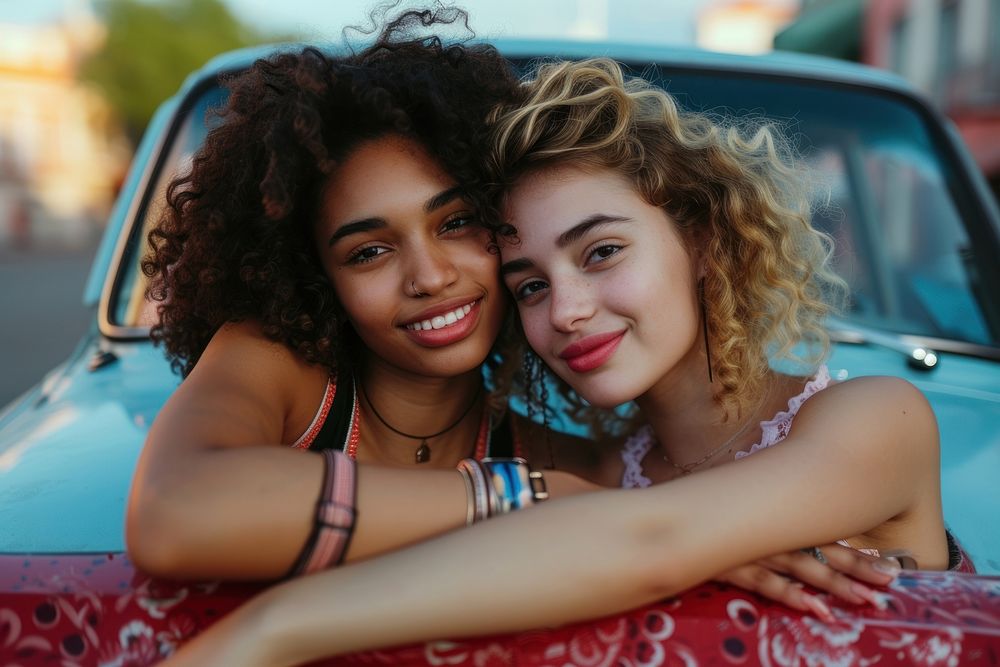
917	234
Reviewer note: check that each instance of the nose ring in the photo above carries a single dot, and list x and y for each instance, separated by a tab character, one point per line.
416	292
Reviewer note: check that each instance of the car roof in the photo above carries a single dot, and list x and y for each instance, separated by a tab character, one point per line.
776	63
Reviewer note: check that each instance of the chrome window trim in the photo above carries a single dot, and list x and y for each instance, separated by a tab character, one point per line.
848	336
104	323
138	208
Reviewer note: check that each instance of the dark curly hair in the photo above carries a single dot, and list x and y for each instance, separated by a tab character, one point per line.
236	243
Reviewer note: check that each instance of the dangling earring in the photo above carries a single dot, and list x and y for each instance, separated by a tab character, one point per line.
536	392
529	365
704	326
545	417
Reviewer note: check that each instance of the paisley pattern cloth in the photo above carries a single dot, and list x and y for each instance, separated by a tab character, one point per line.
96	611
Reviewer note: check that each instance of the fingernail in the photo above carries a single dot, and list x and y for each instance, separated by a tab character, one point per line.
818	607
885	567
869	595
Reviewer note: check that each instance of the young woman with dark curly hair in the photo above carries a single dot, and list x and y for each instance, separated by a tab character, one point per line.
324	285
621	205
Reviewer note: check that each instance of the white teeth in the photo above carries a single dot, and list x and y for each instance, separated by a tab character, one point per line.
441	321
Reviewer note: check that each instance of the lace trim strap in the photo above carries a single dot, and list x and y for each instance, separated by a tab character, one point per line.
633	452
776	429
773	431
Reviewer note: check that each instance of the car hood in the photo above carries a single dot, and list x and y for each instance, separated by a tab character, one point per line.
69	446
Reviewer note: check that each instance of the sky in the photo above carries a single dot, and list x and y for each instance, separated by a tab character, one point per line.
647	21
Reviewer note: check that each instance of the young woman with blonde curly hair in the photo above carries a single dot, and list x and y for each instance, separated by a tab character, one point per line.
658	257
662	257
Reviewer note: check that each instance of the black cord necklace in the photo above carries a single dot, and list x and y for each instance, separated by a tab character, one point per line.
423	452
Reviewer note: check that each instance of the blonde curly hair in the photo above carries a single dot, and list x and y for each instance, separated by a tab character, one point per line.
732	188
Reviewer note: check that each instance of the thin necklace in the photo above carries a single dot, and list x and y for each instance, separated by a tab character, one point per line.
688	468
423	452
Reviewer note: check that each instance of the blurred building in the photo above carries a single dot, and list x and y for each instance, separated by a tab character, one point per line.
949	49
743	26
62	155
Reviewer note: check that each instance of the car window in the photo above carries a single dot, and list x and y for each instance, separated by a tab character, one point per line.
885	194
130	307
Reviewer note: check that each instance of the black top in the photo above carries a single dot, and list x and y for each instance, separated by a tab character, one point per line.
336	428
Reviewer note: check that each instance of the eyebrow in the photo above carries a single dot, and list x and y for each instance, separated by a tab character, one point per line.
368	224
357	227
515	266
443	198
571	235
576	232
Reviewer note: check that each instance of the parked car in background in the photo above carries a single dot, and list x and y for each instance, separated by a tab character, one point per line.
918	240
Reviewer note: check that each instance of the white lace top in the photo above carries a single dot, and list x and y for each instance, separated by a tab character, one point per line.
773	431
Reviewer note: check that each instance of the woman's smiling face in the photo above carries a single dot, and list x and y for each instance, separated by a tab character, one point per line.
409	262
603	281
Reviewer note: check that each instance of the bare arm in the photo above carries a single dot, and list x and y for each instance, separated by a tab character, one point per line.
833	477
216	495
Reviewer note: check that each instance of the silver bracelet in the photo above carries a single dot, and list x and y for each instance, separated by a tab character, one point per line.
481	488
470	496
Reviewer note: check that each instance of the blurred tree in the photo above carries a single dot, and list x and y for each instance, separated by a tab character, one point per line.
152	46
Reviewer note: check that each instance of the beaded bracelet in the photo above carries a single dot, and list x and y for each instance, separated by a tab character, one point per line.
517	485
497	486
335	515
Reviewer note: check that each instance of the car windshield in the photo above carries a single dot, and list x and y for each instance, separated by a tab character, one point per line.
885	192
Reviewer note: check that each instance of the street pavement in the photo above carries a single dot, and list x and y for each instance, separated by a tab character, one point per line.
42	316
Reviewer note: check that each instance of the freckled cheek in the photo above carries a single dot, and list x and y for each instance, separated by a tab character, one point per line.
536	330
627	292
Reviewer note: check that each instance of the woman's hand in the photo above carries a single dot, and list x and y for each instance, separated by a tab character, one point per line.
844	575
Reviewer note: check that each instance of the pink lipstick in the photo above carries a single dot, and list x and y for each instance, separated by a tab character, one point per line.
591	352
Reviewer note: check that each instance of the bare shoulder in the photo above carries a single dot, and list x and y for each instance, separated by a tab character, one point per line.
236	339
240	350
580	456
872	394
885	413
245	381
